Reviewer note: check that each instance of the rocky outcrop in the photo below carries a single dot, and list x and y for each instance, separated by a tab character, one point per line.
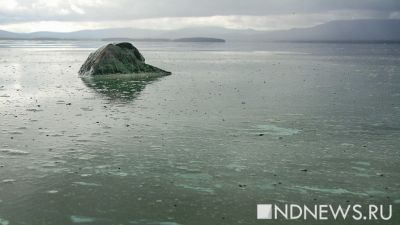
121	58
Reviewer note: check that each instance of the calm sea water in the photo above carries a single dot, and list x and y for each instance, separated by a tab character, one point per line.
235	125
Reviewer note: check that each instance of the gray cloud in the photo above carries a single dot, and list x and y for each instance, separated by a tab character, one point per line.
250	13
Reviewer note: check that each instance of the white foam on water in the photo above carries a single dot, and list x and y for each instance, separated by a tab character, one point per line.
168	223
358	168
196	188
86	156
87	109
149	222
86	175
362	163
120	174
4	221
86	184
13	152
194	176
236	167
82	219
347	145
337	191
8	180
275	130
194	181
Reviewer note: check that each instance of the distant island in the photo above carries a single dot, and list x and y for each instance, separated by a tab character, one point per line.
337	31
137	39
190	39
199	39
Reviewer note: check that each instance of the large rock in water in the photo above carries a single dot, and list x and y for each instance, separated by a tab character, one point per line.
122	58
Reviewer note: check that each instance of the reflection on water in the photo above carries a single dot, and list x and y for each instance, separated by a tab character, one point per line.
118	87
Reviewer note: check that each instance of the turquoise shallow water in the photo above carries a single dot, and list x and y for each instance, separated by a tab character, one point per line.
235	125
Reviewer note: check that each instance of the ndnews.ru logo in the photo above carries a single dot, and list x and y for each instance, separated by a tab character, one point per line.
324	212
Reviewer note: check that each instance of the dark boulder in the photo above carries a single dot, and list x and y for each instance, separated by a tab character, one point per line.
121	58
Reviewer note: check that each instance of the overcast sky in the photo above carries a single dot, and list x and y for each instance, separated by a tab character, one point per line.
72	15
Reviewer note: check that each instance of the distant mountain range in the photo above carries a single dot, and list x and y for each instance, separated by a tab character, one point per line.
336	31
191	39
